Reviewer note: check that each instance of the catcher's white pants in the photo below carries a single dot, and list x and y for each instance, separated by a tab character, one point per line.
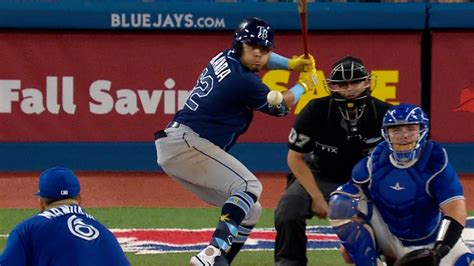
391	246
208	171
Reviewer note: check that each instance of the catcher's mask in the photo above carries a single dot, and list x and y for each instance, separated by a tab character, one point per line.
349	86
253	31
406	114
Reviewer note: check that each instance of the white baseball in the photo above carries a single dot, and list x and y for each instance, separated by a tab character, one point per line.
274	97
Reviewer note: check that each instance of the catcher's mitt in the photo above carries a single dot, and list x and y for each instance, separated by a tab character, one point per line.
424	256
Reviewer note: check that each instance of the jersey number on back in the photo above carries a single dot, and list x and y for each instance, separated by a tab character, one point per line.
203	87
79	228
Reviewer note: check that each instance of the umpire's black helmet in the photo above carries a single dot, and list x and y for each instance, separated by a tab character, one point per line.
348	69
253	31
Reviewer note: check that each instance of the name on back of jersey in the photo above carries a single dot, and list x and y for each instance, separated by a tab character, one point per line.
220	66
63	210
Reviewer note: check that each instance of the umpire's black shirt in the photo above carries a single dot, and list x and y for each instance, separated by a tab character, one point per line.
320	131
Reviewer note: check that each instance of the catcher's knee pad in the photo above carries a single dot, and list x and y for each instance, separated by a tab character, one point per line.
346	202
253	215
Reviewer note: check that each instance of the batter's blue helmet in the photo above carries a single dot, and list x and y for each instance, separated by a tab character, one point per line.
406	114
253	31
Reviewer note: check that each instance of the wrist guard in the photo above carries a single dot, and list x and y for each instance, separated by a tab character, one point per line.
449	233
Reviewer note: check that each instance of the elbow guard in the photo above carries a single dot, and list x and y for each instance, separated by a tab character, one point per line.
277	110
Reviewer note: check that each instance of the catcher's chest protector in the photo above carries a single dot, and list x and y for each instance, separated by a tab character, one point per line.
401	195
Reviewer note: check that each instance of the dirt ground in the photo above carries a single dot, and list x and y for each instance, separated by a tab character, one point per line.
107	189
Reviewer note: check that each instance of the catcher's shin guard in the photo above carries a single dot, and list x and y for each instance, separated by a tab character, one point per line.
357	238
348	211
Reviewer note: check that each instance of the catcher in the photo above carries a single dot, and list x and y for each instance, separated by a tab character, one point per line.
404	201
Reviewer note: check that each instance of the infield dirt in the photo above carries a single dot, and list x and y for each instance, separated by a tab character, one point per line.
137	189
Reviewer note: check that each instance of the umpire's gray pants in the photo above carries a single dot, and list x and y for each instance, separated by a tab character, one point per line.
205	169
293	209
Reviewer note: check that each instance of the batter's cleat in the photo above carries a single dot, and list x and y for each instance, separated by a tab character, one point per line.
206	257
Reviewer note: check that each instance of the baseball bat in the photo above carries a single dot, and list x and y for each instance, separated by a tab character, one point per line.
302	6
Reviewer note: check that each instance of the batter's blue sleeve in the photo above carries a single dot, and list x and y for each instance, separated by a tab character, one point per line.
297	91
276	61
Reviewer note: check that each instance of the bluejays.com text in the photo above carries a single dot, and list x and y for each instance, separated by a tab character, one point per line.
169	21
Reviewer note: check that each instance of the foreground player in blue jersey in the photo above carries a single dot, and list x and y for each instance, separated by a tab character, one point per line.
63	233
404	201
193	148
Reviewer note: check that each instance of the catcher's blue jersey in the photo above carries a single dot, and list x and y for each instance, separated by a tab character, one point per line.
220	107
409	199
64	235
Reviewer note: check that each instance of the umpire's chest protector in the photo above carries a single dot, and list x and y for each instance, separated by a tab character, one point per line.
402	195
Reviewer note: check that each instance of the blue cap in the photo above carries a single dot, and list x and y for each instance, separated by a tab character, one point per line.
57	183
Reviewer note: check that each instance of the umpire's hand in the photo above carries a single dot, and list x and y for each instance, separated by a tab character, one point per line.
319	206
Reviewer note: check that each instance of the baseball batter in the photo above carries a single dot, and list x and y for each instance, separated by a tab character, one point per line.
62	233
193	148
404	201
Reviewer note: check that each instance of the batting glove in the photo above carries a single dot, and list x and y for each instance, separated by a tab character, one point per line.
308	80
300	63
